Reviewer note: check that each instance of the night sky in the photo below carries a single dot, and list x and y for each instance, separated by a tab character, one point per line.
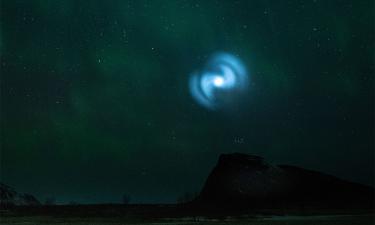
95	100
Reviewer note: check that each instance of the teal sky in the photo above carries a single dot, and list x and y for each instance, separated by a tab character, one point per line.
95	100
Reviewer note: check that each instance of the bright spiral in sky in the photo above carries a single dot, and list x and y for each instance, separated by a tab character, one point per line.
220	81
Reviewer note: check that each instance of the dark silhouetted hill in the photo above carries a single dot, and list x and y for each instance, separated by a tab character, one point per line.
246	181
9	197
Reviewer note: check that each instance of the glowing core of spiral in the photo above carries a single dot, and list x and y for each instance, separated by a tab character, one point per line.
218	81
223	76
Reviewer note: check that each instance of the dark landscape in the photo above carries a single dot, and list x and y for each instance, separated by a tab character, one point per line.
241	189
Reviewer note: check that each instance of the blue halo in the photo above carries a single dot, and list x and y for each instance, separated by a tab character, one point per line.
223	73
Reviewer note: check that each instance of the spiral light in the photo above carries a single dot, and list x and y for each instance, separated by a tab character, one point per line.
223	77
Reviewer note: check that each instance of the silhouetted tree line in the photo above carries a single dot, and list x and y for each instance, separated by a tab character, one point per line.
187	197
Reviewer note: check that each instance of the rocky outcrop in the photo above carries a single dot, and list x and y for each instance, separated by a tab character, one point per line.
9	197
246	181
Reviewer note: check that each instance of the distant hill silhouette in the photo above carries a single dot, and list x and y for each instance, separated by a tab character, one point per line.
10	197
246	181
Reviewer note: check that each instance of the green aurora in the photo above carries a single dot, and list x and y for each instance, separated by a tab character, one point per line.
95	101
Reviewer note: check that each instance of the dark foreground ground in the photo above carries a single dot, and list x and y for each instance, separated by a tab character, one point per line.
285	220
176	215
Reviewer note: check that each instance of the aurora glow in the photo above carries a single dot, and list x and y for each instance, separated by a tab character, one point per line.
95	100
225	74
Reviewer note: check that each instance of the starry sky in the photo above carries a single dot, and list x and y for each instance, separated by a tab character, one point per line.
95	100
